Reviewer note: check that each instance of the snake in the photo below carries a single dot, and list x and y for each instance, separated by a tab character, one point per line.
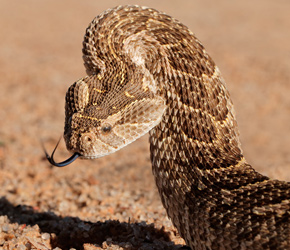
147	72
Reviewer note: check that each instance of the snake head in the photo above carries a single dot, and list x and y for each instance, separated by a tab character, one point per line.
101	120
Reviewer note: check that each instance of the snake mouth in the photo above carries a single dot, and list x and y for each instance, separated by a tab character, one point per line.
63	163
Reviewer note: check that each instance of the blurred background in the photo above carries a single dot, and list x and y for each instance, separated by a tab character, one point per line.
41	56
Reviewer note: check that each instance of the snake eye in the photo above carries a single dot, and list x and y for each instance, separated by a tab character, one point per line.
106	128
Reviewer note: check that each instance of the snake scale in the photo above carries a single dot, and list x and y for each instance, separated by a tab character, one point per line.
147	72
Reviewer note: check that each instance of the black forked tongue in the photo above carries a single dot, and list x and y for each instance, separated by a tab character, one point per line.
63	163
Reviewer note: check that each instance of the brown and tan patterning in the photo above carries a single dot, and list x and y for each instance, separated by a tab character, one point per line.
148	72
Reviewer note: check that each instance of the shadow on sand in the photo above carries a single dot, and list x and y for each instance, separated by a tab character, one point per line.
71	232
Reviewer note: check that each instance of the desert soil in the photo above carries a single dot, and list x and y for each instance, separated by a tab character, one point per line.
112	202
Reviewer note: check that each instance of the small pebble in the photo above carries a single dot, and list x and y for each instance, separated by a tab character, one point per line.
5	228
104	245
126	245
2	219
21	247
45	236
28	246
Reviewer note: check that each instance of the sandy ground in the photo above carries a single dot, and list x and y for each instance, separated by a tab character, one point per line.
112	202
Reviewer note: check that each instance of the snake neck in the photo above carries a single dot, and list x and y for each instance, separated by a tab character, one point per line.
196	145
196	156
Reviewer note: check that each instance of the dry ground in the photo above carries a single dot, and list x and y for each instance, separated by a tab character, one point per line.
112	202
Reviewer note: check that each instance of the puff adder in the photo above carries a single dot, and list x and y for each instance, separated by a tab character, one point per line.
147	72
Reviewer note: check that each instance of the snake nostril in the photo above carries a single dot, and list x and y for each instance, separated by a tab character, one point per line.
87	138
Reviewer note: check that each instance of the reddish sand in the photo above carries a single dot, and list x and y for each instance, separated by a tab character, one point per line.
111	203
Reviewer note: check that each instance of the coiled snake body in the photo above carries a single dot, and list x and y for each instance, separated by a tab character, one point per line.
148	72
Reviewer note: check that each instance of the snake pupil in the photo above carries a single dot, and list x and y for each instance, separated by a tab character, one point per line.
106	129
